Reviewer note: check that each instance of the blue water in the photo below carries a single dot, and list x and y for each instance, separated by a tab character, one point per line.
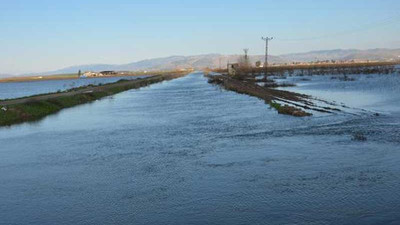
371	92
22	89
187	152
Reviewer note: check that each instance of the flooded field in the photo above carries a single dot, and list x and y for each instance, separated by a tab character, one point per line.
22	89
370	92
187	152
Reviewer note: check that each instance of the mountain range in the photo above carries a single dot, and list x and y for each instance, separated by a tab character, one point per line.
218	60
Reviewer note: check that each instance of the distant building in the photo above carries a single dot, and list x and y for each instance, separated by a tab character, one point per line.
108	73
233	68
91	74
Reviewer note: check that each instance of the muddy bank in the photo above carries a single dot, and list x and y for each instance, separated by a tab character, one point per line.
34	108
294	104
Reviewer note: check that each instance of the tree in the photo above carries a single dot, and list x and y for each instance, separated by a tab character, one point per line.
244	67
79	73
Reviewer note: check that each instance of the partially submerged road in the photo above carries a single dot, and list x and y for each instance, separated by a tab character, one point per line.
295	103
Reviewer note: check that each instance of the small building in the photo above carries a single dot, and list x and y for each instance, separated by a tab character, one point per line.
233	68
91	74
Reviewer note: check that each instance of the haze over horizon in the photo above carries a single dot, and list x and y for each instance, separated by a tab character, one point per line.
47	35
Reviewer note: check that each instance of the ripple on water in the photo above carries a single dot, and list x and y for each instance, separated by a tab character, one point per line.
187	152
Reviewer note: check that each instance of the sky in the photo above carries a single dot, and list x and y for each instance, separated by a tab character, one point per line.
45	35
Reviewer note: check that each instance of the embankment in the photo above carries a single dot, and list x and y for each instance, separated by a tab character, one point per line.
296	103
33	108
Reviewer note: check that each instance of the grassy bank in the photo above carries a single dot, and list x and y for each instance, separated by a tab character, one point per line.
34	108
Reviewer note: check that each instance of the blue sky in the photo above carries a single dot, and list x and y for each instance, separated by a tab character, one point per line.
43	35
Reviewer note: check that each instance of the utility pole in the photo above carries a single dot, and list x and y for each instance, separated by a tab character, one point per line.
246	57
266	39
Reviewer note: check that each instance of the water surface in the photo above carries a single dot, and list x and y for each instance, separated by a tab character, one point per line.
186	152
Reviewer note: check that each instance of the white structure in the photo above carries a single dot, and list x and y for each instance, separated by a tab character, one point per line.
91	74
232	68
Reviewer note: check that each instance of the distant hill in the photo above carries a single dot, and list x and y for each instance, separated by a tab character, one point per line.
217	60
167	63
345	54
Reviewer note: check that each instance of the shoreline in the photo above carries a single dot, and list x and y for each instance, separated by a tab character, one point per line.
75	76
37	78
34	108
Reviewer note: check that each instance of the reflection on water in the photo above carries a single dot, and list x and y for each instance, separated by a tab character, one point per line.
22	89
186	152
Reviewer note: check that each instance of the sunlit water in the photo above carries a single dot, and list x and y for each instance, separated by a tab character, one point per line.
186	152
371	92
22	89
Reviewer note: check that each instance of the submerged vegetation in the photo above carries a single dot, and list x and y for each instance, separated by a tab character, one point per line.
289	110
359	137
34	108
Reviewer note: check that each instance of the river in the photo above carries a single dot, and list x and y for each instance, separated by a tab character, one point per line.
187	152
